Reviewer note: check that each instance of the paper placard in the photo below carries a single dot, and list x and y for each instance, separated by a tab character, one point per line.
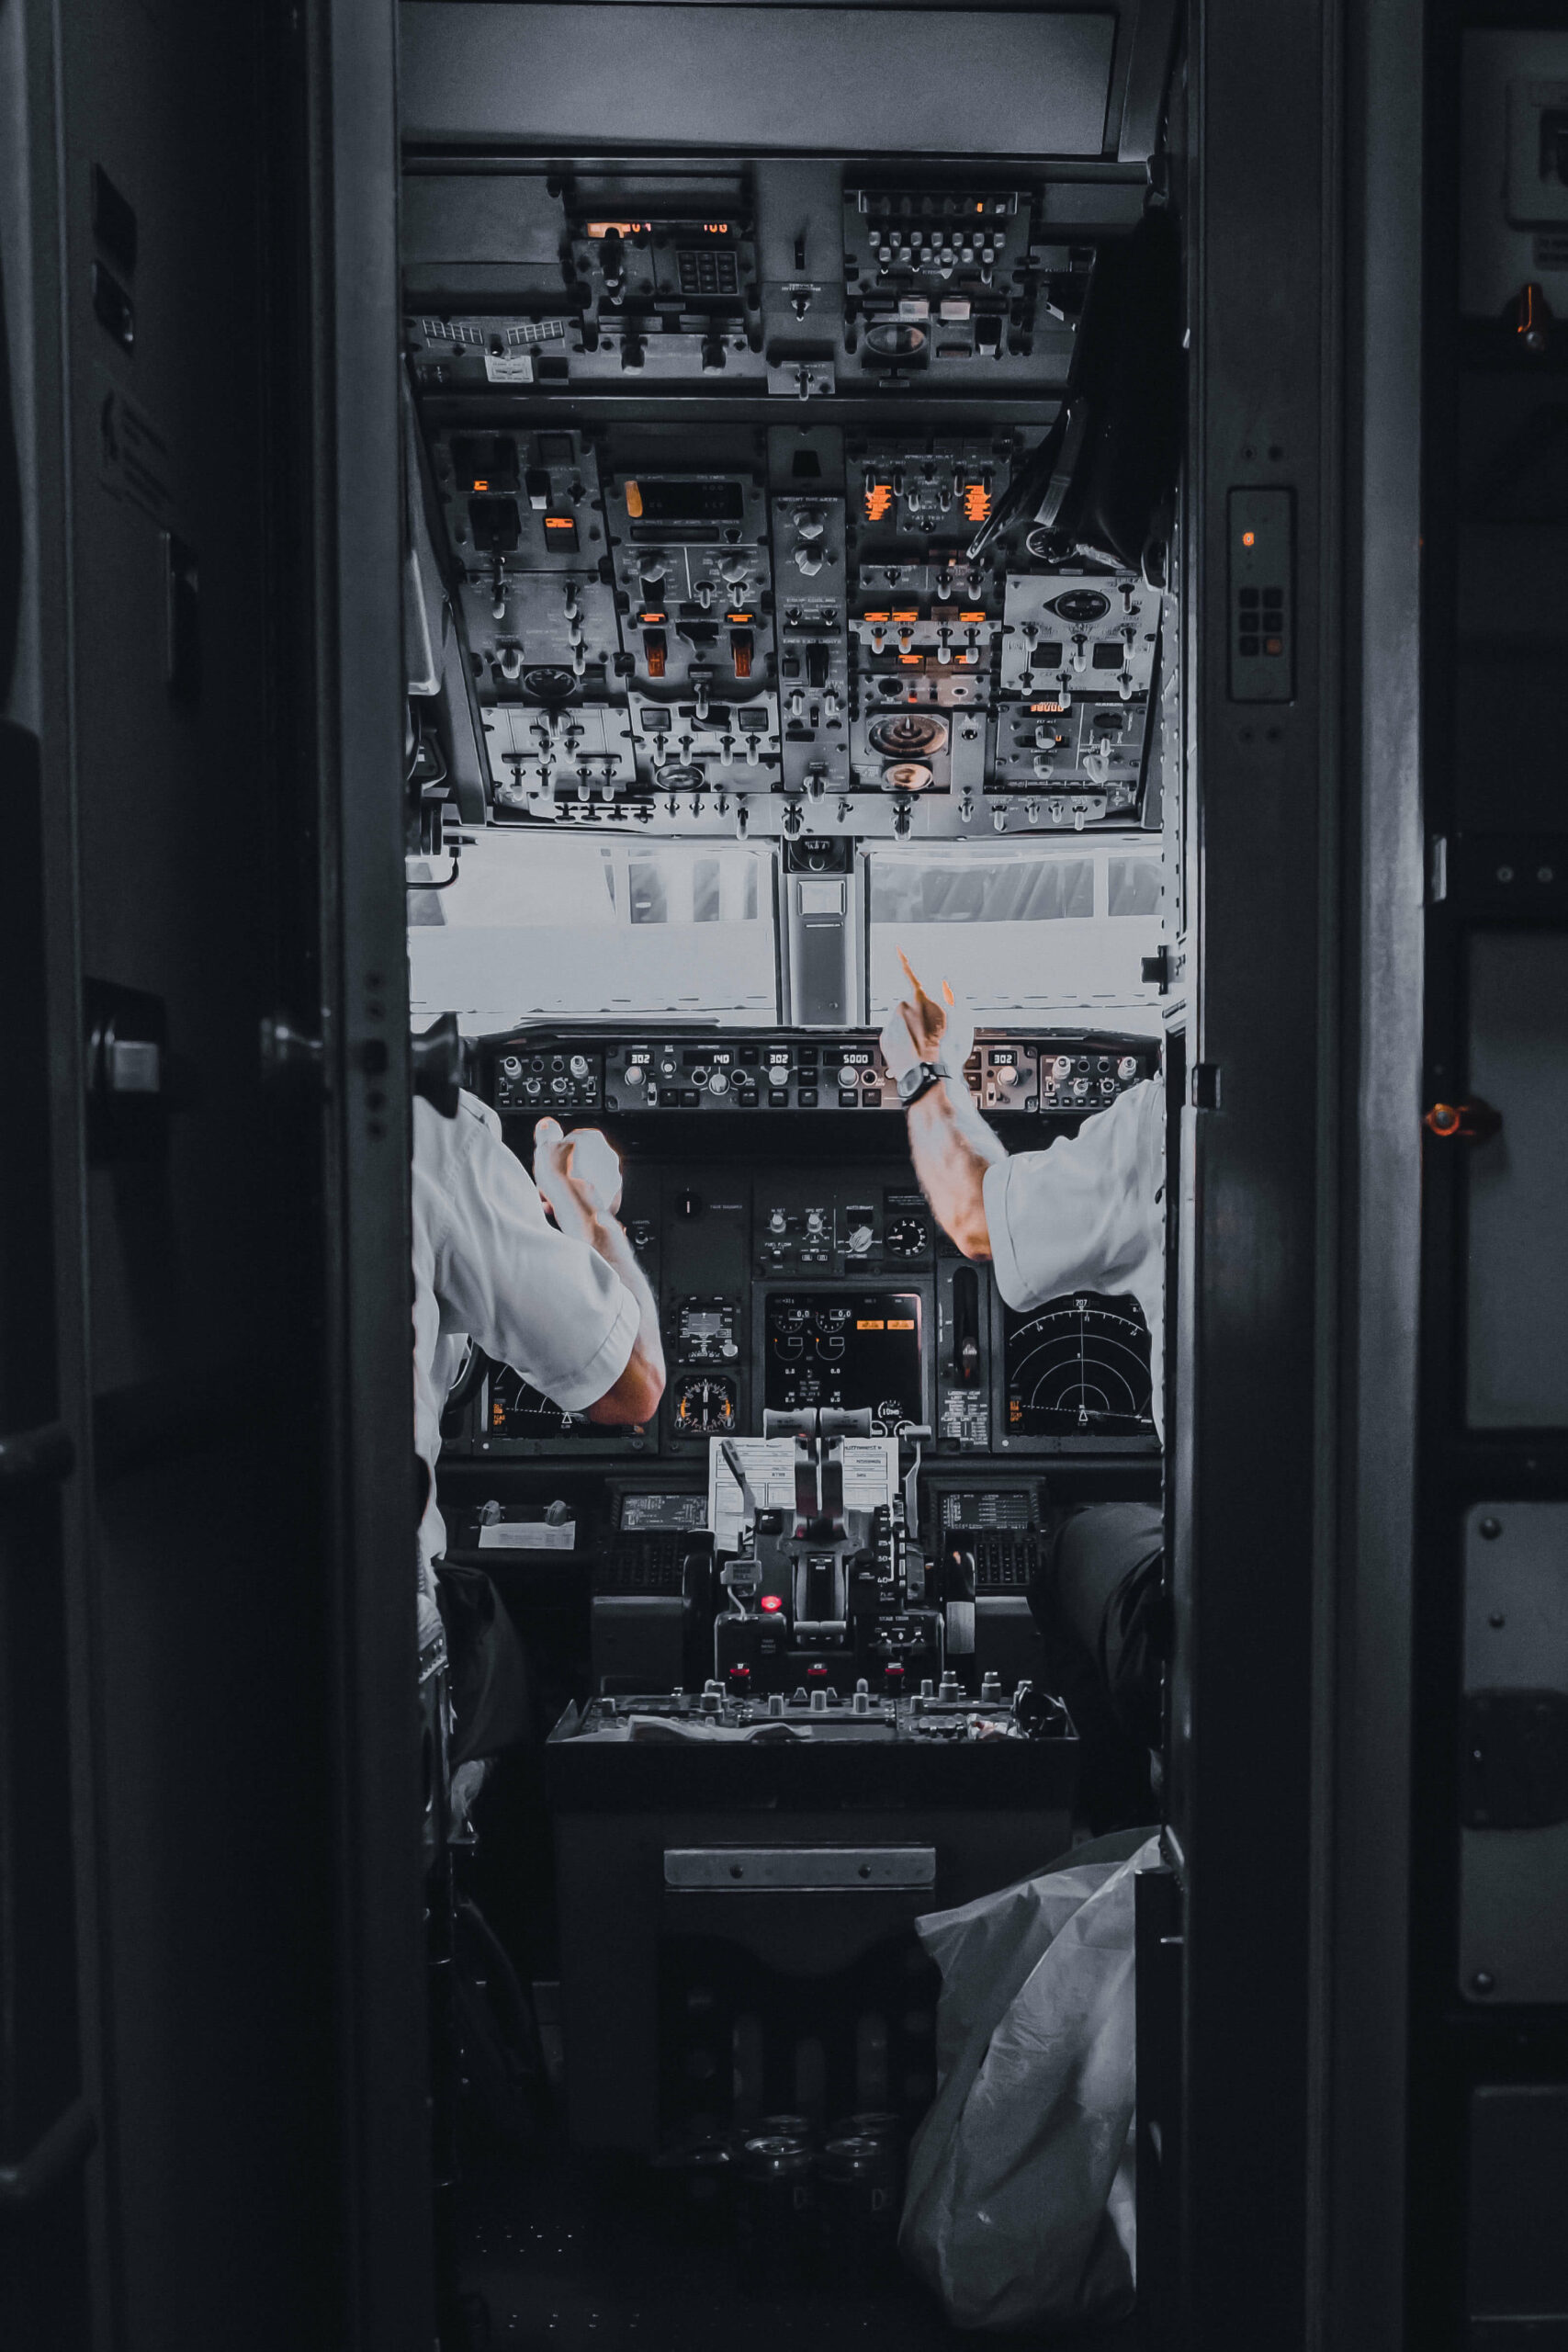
528	1535
871	1468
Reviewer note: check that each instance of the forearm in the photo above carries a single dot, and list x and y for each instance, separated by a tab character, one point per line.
645	1369
951	1147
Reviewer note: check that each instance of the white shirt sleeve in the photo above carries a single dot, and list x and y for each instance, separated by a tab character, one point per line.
532	1297
1084	1214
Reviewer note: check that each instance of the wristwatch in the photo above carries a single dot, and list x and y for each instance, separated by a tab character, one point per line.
919	1080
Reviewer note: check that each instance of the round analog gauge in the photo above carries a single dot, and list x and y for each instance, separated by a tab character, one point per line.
830	1351
907	1237
789	1317
1080	1363
789	1348
704	1407
1081	604
833	1319
549	685
908	734
890	1416
895	339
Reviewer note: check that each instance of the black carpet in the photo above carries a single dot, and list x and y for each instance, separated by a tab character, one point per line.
580	2255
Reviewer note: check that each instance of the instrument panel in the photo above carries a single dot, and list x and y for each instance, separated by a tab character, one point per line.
796	1261
1059	1077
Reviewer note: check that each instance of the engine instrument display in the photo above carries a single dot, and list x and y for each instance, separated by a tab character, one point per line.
845	1351
1079	1366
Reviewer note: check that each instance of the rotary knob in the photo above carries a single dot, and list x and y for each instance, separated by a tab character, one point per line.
720	1083
577	1065
775	1221
511	1065
635	1074
848	1075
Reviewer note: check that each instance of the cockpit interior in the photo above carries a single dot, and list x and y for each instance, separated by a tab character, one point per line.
795	585
865	692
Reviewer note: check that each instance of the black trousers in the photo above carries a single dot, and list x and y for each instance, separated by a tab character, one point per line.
1099	1603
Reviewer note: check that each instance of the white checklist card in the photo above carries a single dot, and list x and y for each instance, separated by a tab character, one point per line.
871	1471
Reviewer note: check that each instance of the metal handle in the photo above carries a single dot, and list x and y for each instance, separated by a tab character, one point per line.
1470	1121
68	2143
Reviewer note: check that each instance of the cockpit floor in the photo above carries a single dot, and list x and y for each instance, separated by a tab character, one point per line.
578	2254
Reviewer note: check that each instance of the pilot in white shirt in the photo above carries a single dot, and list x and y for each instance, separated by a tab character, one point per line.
1087	1213
566	1305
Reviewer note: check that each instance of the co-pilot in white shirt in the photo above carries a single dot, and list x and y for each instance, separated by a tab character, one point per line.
1087	1213
489	1268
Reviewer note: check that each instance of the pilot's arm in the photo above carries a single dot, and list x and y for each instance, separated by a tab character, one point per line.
1083	1213
568	1309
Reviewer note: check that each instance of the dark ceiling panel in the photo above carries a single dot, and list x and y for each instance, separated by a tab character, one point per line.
962	82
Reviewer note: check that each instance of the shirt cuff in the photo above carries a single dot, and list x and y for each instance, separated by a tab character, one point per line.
994	1193
605	1366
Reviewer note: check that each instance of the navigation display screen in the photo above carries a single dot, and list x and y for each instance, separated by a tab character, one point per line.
845	1350
1078	1366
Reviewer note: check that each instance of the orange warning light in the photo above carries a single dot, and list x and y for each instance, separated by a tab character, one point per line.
976	503
634	501
970	617
560	522
906	612
650	617
878	498
877	616
1248	539
737	616
916	660
482	485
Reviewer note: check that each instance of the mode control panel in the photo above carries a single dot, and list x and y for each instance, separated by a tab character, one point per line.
560	1078
1062	1074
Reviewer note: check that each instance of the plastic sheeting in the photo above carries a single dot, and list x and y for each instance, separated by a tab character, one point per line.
1020	2210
